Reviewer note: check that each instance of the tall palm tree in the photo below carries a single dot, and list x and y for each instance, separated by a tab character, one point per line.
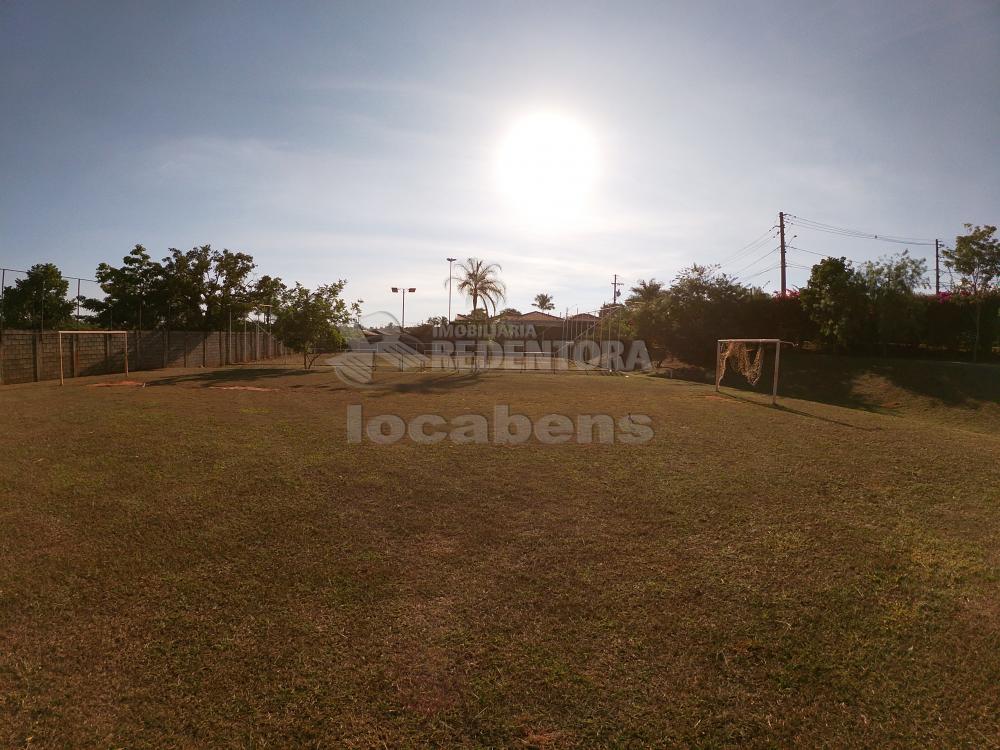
478	279
645	291
544	302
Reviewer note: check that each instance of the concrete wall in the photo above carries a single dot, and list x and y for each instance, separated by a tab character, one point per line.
27	356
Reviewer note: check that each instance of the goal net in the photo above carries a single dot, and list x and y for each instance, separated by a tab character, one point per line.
746	356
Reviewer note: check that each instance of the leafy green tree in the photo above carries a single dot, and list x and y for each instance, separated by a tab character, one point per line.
645	291
976	258
700	306
135	294
835	299
478	279
38	300
200	289
511	312
266	292
544	302
309	321
228	296
891	283
186	274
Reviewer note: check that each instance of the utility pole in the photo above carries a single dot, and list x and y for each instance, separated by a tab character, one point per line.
781	229
937	267
615	293
450	261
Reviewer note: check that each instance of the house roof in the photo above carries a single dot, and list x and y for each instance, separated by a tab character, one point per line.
535	316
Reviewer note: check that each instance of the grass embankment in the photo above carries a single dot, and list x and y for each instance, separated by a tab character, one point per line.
958	394
182	565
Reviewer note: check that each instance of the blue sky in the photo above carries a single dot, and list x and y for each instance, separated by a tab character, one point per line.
357	140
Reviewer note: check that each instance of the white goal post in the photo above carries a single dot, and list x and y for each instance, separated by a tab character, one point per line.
89	333
724	348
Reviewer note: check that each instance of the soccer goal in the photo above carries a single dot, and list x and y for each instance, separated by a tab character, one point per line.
124	334
746	356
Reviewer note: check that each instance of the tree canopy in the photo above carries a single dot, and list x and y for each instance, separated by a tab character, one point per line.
309	321
544	302
481	281
38	300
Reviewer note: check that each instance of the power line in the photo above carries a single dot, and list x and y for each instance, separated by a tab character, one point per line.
74	278
811	252
751	265
753	275
856	233
749	247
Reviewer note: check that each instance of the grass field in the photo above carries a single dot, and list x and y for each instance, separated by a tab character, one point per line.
186	565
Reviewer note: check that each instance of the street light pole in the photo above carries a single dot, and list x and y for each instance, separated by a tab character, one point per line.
404	290
450	261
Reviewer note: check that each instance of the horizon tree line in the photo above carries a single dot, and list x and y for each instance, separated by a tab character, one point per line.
844	306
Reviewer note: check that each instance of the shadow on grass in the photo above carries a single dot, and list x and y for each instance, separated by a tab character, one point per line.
797	412
954	383
834	379
213	377
685	372
429	384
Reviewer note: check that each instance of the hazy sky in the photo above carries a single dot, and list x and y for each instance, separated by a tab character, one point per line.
358	140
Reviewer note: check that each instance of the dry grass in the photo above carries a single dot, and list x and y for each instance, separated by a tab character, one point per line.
183	565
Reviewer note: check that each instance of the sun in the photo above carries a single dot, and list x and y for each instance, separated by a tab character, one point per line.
546	168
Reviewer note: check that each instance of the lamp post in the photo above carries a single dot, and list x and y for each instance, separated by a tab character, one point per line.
403	290
267	315
450	261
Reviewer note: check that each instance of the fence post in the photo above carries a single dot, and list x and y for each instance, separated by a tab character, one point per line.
36	354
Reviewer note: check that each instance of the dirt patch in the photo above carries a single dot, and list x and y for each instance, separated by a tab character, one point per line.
240	388
724	399
122	383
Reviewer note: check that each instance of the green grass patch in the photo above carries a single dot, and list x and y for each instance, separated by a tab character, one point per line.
185	565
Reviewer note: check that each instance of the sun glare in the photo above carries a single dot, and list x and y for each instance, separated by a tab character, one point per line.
546	168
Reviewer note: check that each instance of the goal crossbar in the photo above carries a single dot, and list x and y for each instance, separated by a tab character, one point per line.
777	360
91	333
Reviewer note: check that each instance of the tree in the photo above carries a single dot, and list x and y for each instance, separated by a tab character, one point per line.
200	289
891	282
703	305
835	300
38	300
135	293
976	258
310	321
186	275
509	312
544	302
645	291
479	280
